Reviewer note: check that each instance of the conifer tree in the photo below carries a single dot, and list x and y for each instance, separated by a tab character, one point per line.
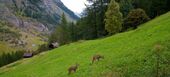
61	34
113	20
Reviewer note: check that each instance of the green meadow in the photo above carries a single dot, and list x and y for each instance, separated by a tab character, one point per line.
128	54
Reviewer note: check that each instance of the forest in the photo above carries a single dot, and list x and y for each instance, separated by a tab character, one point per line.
102	18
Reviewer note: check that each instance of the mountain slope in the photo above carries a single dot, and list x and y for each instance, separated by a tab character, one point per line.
32	20
47	12
128	54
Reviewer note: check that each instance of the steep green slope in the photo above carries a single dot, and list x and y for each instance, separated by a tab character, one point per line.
128	54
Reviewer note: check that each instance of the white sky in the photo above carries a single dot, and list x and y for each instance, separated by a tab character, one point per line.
76	6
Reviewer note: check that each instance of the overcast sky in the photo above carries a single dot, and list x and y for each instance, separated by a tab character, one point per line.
76	6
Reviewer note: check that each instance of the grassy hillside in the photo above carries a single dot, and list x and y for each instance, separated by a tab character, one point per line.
128	54
5	48
11	35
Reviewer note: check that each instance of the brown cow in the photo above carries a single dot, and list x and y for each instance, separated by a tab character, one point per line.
97	58
73	68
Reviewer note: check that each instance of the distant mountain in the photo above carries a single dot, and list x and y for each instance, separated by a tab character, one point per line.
45	11
32	17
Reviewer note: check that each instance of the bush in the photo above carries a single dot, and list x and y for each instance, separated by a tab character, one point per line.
135	18
42	48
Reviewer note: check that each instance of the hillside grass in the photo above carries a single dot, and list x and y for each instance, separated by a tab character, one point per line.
32	40
7	31
4	48
129	54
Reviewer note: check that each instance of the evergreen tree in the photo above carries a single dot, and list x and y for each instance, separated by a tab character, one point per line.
113	20
92	22
61	34
152	7
125	7
72	31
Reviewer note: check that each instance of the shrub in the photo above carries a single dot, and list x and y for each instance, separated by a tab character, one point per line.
135	18
42	48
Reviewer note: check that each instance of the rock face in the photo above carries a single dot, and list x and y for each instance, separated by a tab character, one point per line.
47	12
33	17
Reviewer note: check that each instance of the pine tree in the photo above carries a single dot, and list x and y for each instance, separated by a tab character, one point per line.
113	20
92	20
72	31
61	34
125	7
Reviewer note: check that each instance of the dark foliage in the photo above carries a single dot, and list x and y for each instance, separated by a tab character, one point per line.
91	25
152	7
42	48
7	58
135	18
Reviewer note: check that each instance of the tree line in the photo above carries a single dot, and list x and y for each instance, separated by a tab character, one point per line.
103	18
7	58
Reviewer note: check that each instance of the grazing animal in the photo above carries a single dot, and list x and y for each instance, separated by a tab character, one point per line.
97	58
73	68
